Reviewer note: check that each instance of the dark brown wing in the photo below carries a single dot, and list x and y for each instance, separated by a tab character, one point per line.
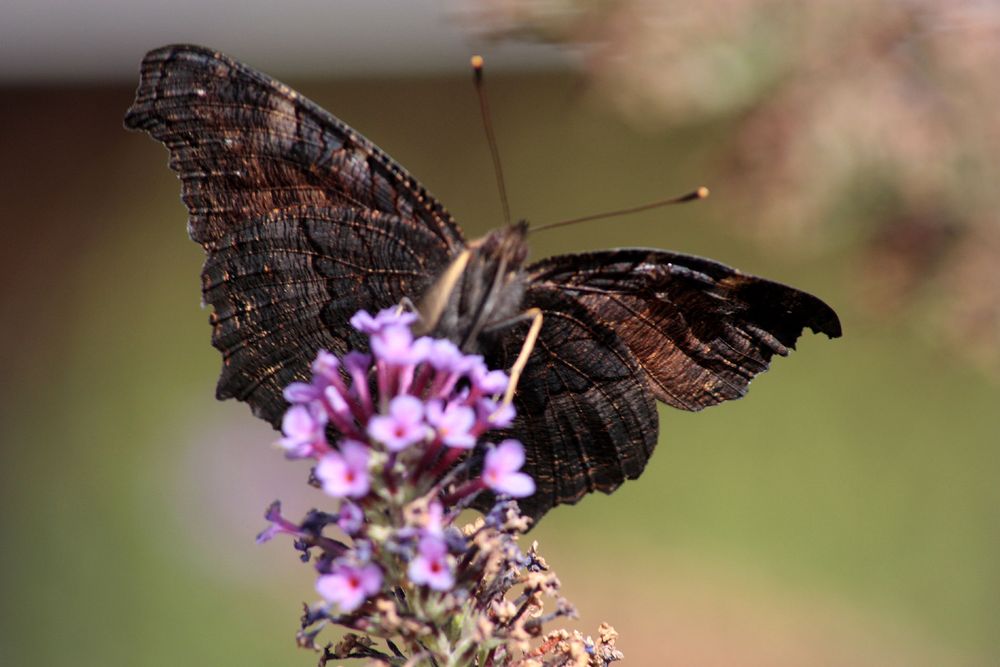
286	285
244	144
303	220
585	414
700	329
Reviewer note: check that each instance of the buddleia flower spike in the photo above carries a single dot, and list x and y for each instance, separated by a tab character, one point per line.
400	444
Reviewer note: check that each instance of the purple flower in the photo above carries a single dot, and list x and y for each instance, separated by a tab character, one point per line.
350	518
487	381
453	423
471	362
326	365
365	323
337	401
358	364
445	356
402	427
279	524
435	519
301	393
303	431
430	401
344	473
395	345
326	392
500	470
348	587
493	414
431	565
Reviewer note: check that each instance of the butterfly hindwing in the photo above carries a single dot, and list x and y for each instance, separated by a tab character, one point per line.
699	329
585	414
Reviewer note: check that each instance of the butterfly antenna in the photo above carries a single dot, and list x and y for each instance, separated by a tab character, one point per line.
700	193
484	108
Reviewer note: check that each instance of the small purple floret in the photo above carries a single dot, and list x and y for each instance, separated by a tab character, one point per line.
489	382
351	518
301	393
303	431
326	365
395	345
365	323
431	566
357	364
336	400
501	470
279	524
494	414
453	423
344	473
348	587
435	519
445	356
402	427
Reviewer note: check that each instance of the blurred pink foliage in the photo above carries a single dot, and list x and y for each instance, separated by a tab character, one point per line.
870	123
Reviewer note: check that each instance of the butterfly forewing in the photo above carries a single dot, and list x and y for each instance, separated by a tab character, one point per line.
700	329
304	221
286	284
244	144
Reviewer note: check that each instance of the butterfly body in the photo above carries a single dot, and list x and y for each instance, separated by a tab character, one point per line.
480	291
304	222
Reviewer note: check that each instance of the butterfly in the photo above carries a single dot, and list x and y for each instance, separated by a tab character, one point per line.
304	222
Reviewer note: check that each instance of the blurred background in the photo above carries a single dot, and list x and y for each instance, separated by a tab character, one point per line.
846	512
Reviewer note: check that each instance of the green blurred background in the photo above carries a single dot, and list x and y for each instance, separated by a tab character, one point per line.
846	512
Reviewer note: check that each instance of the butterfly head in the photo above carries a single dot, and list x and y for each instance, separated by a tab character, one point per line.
507	244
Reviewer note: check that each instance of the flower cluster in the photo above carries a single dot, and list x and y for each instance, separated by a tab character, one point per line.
397	437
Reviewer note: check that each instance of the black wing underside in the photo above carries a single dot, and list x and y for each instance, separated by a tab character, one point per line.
699	330
294	210
286	285
584	414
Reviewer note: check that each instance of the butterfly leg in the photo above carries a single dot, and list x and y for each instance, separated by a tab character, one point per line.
535	314
434	302
406	305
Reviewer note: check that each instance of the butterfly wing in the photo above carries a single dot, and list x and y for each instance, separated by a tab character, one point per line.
699	329
244	144
584	413
303	220
286	284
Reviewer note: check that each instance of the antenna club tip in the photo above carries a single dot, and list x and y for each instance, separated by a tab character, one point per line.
702	192
477	62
